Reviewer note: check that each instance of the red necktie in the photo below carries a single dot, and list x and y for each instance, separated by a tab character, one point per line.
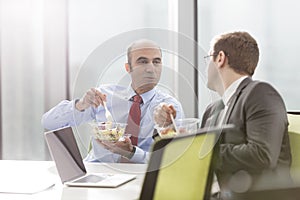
134	119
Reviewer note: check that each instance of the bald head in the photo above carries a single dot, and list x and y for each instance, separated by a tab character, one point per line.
141	44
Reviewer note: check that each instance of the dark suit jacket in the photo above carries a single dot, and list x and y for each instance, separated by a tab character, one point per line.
257	154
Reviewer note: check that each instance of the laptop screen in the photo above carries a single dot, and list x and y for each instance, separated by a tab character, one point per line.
180	168
65	152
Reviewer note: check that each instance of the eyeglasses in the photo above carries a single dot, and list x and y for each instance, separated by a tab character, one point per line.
207	58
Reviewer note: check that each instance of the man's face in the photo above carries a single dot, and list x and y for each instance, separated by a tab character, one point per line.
213	76
145	68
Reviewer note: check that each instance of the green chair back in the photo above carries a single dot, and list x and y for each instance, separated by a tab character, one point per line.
181	167
294	134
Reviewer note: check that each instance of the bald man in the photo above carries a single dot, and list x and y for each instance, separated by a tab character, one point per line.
144	67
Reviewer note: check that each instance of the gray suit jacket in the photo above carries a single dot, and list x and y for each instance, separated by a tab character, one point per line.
257	154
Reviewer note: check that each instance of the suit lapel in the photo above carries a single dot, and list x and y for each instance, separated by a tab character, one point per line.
214	113
235	97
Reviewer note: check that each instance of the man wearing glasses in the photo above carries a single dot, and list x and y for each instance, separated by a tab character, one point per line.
256	155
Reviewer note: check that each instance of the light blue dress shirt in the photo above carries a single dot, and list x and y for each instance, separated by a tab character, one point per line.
118	102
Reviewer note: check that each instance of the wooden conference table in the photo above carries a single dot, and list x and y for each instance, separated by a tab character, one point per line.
39	180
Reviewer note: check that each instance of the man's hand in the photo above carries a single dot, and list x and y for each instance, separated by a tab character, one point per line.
92	97
162	114
123	148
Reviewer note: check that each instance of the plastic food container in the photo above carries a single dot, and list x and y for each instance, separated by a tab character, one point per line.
184	126
108	131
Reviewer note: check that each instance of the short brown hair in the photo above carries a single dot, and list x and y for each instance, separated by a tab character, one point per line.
241	50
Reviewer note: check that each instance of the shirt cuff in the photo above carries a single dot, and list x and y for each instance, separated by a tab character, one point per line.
74	105
139	156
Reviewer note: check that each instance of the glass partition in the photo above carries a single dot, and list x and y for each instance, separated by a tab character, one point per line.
272	23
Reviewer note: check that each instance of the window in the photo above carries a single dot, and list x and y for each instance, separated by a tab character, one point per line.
272	25
43	44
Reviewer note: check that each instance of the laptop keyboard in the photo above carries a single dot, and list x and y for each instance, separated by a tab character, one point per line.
90	179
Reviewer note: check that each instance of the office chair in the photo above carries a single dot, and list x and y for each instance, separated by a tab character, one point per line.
294	134
181	167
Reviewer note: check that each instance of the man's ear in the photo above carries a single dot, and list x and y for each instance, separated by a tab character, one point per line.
221	58
127	67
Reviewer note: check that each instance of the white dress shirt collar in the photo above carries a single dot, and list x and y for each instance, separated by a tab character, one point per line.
147	96
231	90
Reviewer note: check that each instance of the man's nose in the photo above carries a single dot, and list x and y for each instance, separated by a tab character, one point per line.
150	68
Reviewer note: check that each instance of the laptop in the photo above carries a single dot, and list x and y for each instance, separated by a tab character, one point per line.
182	167
66	155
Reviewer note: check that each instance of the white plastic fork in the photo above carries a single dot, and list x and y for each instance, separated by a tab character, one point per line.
107	113
173	121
